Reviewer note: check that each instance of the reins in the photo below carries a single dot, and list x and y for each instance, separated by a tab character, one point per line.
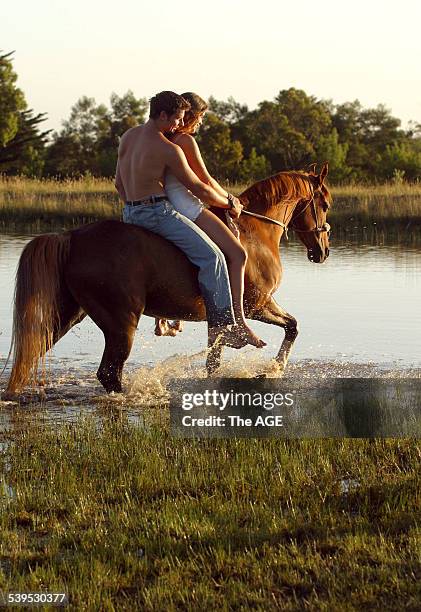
322	228
274	221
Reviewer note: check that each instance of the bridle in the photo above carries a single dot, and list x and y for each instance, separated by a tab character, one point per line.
325	227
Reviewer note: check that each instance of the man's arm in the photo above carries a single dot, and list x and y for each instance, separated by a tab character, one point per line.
177	163
119	184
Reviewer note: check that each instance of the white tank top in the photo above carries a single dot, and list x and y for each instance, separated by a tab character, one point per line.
183	200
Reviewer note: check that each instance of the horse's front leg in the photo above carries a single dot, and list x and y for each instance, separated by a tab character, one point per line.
273	314
214	354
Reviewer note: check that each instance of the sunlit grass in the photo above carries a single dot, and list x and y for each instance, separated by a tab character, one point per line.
124	518
45	203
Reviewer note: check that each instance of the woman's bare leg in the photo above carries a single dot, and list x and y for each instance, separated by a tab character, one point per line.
236	261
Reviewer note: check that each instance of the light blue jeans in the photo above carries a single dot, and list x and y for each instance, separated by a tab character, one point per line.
213	277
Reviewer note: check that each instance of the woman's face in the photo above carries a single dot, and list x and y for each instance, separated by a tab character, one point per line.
196	125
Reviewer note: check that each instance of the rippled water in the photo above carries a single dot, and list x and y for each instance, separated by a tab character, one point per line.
359	315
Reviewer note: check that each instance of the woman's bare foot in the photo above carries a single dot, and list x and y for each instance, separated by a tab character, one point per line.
248	334
237	337
227	336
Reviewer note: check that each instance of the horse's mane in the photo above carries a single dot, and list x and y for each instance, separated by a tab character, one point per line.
286	186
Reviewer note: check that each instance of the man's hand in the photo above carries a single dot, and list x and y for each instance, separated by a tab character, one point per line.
237	207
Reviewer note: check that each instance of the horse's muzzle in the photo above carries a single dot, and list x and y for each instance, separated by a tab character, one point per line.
317	256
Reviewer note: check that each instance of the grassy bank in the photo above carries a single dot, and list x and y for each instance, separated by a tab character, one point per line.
125	519
44	204
47	204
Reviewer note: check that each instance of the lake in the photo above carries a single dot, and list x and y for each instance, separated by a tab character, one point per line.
362	304
359	315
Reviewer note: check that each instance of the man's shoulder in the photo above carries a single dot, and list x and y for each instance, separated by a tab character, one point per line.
172	150
136	129
127	138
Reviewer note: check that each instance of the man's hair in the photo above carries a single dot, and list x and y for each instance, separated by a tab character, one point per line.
167	101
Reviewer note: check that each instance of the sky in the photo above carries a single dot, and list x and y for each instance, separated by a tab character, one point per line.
367	50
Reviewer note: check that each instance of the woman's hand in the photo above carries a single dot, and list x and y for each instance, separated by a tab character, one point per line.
236	207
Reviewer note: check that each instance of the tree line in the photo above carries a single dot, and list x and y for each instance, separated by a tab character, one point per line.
238	144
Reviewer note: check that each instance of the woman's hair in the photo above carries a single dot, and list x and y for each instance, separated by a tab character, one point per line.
197	107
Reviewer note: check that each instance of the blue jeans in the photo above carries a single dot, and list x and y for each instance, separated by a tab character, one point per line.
213	278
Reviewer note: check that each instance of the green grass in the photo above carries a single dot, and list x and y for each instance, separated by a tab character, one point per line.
124	518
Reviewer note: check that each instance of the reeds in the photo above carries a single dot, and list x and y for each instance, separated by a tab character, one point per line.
41	204
51	203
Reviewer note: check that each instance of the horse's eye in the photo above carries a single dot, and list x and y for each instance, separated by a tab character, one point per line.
325	206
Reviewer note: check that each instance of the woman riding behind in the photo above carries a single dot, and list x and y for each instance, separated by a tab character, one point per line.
191	207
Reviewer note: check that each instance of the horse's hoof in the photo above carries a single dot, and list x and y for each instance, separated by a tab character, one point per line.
272	370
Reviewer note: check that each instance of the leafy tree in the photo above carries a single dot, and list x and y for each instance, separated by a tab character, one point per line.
401	160
21	143
329	149
367	132
25	153
12	101
88	141
231	111
254	168
126	112
305	114
267	130
222	155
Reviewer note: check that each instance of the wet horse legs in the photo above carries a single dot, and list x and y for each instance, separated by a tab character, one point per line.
213	358
273	314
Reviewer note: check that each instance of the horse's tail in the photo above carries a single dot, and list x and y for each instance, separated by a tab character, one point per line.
36	305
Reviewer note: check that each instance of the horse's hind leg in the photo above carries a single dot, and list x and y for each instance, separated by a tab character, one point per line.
70	314
273	314
117	317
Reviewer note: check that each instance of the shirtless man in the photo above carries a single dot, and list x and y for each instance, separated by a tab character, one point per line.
144	155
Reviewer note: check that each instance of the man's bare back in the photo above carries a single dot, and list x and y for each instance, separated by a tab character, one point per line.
143	157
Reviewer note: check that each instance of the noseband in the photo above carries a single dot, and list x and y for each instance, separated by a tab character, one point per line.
318	228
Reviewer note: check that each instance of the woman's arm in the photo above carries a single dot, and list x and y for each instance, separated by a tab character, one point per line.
196	163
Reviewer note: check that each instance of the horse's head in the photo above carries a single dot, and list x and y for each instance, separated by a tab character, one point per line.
309	218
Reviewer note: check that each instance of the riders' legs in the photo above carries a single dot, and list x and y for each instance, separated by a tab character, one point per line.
213	274
234	253
236	258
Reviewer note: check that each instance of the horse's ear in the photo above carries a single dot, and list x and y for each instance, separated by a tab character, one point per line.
323	173
311	168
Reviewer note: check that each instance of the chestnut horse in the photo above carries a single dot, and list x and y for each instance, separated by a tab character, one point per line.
115	272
